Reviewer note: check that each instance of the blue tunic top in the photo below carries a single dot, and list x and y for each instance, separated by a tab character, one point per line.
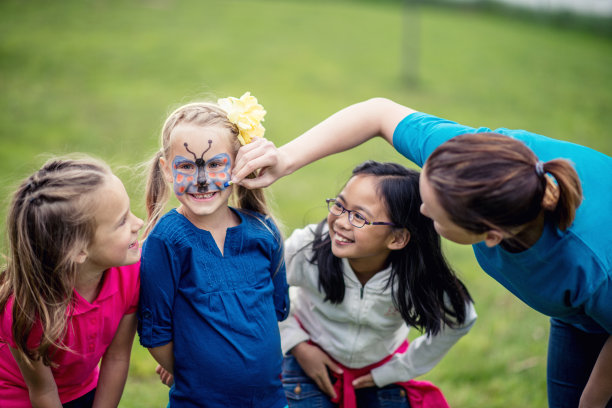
221	311
566	275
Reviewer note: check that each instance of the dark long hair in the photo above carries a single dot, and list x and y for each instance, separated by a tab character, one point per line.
420	276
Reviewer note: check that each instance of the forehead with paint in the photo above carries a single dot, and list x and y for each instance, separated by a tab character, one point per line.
201	159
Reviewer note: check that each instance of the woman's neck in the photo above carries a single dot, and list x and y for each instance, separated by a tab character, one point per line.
526	237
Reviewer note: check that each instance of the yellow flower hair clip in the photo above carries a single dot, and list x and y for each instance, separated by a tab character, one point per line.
246	114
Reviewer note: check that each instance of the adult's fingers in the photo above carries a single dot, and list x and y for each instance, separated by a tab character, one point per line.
257	155
261	180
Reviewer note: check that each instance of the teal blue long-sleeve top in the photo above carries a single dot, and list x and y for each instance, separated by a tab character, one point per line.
565	275
221	311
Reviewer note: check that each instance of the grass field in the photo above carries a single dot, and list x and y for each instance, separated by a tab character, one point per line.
100	76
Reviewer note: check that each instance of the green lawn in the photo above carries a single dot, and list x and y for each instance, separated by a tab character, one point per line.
100	76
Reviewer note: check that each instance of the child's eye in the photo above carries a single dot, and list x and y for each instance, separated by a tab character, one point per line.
185	166
338	206
359	217
214	165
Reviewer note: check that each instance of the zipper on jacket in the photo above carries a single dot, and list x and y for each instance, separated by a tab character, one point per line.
358	323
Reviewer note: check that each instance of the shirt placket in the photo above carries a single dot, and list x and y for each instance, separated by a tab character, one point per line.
93	328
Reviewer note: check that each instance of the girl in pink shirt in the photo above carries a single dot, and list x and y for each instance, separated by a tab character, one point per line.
69	290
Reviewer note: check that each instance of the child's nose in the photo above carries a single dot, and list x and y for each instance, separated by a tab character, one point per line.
202	179
423	209
343	220
138	223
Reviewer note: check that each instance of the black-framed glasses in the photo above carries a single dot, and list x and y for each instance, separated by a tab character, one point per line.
356	219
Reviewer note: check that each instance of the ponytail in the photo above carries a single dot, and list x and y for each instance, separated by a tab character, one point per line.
570	192
253	200
157	193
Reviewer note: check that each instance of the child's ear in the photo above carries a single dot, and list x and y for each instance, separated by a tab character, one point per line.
493	237
163	165
81	257
399	239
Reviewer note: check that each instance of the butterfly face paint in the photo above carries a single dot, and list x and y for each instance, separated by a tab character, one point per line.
200	176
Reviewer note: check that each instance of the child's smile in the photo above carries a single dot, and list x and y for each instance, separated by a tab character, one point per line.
116	238
200	168
366	248
203	196
340	239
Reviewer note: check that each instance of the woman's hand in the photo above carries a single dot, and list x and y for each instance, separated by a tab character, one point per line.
262	158
598	390
315	362
164	376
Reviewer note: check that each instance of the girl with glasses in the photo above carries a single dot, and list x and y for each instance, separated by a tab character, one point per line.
359	280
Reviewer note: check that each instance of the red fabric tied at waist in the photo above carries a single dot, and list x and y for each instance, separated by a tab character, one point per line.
420	394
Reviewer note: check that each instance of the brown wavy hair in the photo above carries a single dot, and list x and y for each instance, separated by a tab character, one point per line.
487	180
50	221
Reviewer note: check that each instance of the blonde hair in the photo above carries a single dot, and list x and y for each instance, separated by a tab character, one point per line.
50	221
202	114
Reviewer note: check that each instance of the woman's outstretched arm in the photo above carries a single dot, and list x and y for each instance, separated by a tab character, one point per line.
343	130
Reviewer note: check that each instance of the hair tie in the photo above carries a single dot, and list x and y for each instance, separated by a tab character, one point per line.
539	168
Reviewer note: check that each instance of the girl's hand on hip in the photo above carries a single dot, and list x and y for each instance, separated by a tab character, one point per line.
164	376
315	363
364	381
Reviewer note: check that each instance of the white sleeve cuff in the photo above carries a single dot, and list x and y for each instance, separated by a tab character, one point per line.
291	334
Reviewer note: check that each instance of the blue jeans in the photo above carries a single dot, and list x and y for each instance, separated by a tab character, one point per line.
571	356
84	401
302	392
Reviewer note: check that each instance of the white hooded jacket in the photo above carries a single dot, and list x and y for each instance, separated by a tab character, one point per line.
365	327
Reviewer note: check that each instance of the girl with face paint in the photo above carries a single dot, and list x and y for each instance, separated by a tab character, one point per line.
213	284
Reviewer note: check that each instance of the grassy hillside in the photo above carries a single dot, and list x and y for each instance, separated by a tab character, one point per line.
100	76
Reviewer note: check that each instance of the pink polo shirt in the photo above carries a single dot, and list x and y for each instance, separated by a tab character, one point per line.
92	328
